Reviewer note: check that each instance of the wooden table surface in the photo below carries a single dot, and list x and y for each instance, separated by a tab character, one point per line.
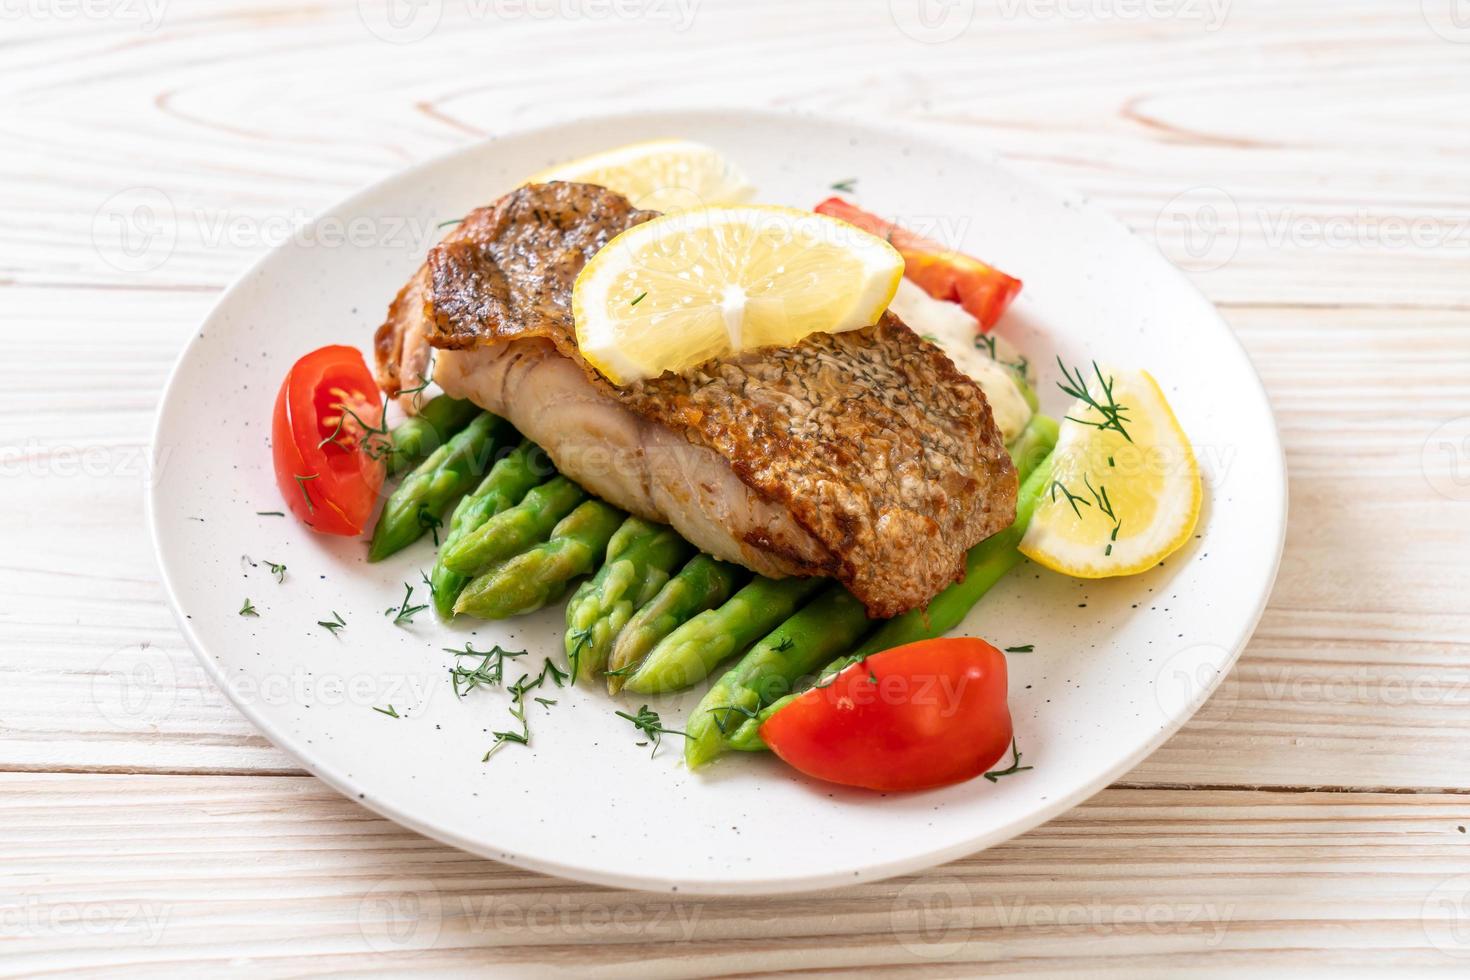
1307	162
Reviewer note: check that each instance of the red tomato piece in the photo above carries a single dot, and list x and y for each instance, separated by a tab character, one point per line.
329	465
983	291
915	717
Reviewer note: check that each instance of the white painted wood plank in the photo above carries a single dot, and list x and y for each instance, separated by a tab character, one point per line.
278	875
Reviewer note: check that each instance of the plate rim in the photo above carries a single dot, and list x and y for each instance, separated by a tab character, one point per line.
703	886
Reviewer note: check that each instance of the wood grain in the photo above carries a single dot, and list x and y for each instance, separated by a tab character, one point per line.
1303	162
291	878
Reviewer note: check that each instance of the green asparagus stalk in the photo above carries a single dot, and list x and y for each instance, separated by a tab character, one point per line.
601	608
533	578
513	531
985	565
631	531
692	651
507	482
1033	445
423	495
829	624
438	420
703	583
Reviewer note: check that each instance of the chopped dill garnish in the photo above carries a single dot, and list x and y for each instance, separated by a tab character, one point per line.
301	485
847	185
271	513
334	624
1114	415
1072	498
248	609
648	723
640	298
390	711
1014	768
428	520
518	692
725	710
404	613
489	672
277	569
1027	648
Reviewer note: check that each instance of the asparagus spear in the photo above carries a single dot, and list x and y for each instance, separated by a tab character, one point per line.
422	496
692	650
439	419
507	482
533	578
513	531
703	583
830	623
985	564
601	608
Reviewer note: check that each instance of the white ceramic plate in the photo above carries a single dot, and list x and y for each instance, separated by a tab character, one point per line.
1118	665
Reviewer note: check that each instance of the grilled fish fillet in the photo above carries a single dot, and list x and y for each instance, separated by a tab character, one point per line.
863	455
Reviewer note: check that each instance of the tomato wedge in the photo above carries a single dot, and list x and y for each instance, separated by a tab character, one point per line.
983	291
915	717
329	465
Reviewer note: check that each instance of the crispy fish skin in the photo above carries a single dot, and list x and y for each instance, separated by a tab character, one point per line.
871	438
879	459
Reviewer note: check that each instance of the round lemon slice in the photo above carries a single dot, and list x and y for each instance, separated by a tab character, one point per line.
1125	487
676	291
660	175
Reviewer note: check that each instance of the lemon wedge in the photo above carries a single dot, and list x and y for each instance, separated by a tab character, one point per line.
1125	490
659	175
678	290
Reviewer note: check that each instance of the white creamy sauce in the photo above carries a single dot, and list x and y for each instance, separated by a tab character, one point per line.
953	331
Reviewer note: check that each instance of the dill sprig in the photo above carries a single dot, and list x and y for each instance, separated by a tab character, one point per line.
248	609
403	612
1072	498
1100	494
726	709
301	485
1113	414
334	624
277	569
489	672
847	185
1025	648
518	692
648	723
390	711
432	523
1014	768
641	297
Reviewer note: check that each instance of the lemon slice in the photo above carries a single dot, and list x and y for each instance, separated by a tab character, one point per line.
1125	490
678	290
660	175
